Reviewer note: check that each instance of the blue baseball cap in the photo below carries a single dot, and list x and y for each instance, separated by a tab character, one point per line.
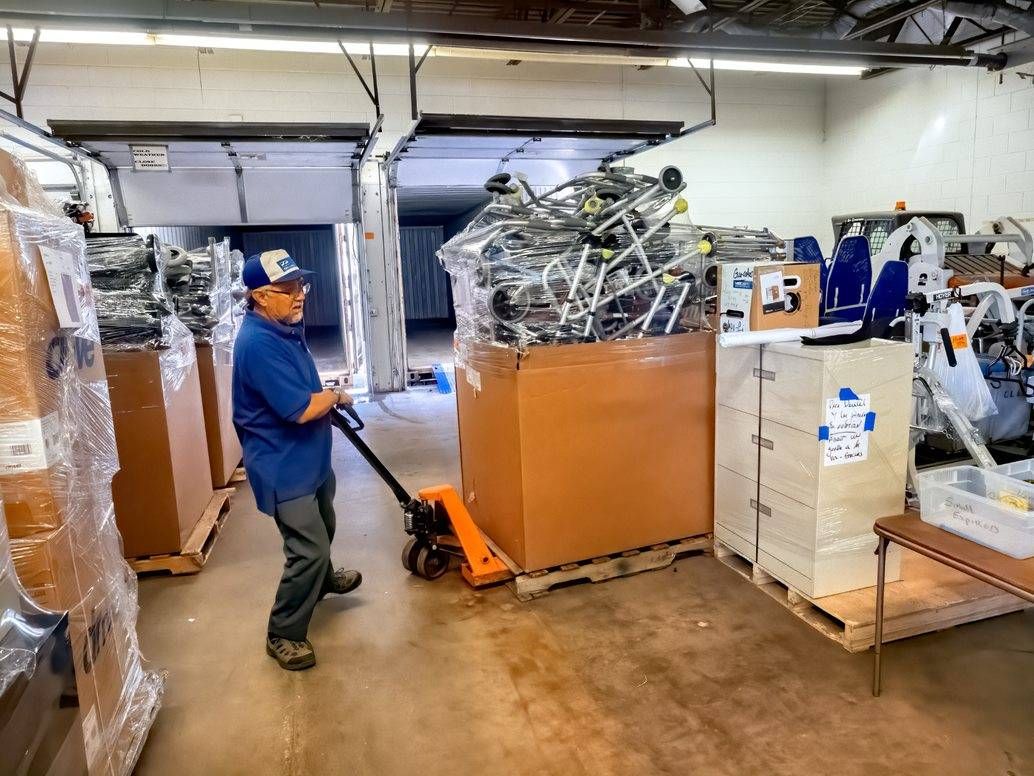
268	267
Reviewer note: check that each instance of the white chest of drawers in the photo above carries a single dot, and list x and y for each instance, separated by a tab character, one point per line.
797	489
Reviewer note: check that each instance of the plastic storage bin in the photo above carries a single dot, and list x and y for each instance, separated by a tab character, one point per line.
1019	470
988	507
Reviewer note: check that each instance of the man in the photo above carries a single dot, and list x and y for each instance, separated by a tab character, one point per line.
281	413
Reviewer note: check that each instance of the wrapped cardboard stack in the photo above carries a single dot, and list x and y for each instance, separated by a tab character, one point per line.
57	460
204	303
585	372
163	484
40	732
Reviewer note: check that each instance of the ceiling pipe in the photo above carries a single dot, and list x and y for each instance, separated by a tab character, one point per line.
992	13
835	30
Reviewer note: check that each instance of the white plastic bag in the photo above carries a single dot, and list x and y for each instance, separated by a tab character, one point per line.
964	381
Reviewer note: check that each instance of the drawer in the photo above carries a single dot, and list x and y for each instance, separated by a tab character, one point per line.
793	395
790	461
734	445
734	502
736	384
786	531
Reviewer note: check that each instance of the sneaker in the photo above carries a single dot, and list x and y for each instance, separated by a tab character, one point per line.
291	655
341	582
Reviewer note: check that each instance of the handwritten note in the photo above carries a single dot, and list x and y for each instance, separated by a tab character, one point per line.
846	433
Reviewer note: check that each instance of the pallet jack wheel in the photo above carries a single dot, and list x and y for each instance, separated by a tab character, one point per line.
429	563
409	553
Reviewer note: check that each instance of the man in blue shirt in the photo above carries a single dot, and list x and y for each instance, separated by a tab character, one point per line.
281	413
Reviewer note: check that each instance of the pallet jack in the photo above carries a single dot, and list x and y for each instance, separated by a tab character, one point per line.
439	525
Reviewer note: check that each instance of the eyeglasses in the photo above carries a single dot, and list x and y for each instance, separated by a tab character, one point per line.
302	290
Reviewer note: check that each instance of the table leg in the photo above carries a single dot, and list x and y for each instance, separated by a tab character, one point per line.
881	574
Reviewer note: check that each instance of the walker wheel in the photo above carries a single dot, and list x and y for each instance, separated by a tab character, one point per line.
409	553
430	564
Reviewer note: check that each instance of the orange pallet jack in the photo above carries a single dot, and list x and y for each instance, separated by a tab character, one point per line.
438	523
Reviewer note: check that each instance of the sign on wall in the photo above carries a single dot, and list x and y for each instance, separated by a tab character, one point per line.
150	158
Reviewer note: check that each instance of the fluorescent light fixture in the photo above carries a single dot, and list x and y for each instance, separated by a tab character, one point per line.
770	67
103	37
113	38
284	45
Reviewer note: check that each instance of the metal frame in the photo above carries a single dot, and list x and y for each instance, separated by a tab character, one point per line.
323	21
375	93
414	68
712	93
80	188
19	81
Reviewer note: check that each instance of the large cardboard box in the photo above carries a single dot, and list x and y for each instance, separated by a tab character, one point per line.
758	296
45	565
575	451
164	481
215	369
104	661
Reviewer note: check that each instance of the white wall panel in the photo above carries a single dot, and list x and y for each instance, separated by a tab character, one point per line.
761	165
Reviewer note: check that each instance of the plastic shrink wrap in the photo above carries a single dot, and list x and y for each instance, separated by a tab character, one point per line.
40	724
811	447
135	310
200	283
57	458
597	258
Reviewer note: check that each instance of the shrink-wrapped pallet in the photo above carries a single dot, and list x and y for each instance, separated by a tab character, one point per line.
57	459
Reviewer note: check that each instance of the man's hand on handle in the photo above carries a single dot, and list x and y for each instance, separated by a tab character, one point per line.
323	402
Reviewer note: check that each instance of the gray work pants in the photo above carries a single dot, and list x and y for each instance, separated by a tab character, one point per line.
307	526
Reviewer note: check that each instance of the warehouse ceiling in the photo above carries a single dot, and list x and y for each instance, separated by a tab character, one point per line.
865	32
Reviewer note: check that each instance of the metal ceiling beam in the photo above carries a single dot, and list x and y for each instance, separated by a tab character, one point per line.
864	28
290	20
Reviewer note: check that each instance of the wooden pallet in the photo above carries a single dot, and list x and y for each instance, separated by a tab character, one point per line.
929	597
528	585
198	545
238	476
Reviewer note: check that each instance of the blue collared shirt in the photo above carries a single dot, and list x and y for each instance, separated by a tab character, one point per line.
274	378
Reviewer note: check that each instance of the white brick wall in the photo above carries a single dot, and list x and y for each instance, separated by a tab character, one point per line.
953	138
762	164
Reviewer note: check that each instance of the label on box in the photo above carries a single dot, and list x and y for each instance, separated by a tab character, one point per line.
60	268
846	433
30	445
91	736
150	158
474	378
743	276
773	292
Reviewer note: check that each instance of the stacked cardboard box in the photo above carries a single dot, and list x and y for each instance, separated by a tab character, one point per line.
571	452
215	367
164	482
214	333
57	459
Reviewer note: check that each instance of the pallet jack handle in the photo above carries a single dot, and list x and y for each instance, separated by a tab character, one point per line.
352	433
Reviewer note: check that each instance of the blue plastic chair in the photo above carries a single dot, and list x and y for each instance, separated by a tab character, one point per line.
850	280
887	300
807	251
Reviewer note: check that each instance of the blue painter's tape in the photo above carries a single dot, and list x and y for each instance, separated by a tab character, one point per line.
823	433
870	421
846	394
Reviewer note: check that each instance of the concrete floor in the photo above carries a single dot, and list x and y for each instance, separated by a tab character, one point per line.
428	344
689	670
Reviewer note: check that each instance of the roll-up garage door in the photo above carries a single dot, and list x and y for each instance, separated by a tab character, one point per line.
186	173
461	150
